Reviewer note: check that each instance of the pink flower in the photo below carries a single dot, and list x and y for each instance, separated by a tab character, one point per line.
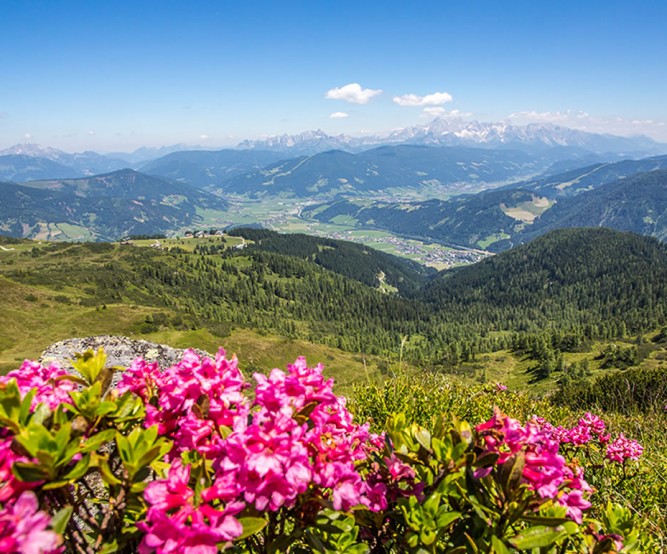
23	528
51	389
545	470
174	524
174	492
10	486
623	449
576	504
141	378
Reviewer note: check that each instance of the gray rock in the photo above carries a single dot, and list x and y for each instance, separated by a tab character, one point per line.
120	351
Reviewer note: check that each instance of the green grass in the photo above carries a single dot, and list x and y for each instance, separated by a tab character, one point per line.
488	241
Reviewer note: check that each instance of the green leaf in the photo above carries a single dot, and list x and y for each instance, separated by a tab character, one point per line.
28	472
542	520
53	485
251	525
445	519
105	408
109	547
511	474
97	440
538	536
422	436
60	519
90	364
315	542
498	546
80	469
107	474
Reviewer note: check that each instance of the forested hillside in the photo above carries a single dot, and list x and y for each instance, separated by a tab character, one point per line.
102	207
586	283
637	204
356	261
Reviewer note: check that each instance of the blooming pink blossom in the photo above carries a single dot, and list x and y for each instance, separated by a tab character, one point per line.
624	449
23	528
51	388
174	524
545	470
10	486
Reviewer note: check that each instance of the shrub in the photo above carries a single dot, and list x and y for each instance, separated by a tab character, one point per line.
197	459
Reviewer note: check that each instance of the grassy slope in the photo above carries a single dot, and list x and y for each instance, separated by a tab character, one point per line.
36	316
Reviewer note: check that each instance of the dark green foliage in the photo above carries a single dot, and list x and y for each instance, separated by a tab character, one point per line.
619	357
628	392
552	296
570	279
637	204
350	259
582	179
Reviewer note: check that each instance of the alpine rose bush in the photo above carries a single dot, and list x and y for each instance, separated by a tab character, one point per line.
196	459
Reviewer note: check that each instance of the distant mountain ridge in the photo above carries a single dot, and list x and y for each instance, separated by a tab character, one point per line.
84	163
637	204
102	207
456	169
582	179
203	168
460	132
501	218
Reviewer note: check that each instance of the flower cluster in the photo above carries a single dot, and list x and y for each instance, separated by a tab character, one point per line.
195	458
49	383
174	524
545	470
590	426
24	528
191	402
10	486
623	449
296	438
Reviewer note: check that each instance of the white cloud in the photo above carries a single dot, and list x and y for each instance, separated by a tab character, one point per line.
437	111
352	93
203	137
435	99
458	113
339	115
532	115
27	136
434	112
91	133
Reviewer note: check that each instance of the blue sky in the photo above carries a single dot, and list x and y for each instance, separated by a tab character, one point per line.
116	75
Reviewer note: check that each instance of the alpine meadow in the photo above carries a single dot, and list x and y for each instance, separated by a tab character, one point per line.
372	278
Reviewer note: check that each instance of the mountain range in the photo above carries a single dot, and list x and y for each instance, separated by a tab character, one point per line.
388	167
532	179
103	207
76	165
461	132
558	143
622	198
